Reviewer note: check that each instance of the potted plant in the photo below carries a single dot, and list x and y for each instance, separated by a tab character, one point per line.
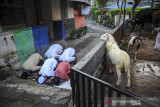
85	28
80	33
74	34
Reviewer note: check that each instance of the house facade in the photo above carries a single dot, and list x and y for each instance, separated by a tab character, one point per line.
27	26
28	13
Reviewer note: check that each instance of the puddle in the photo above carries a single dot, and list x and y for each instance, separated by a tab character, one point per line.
148	67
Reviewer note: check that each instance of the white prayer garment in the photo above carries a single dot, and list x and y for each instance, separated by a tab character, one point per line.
54	51
65	85
67	55
48	67
41	80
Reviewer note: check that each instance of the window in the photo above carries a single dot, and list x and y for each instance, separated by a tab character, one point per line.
12	12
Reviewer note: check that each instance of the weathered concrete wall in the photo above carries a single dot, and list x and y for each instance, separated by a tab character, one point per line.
30	12
50	29
46	9
70	9
7	44
17	45
51	9
56	10
24	43
8	55
92	63
69	26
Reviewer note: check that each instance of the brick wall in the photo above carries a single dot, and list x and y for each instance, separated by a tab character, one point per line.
69	26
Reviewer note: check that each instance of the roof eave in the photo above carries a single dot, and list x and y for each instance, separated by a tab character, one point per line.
85	2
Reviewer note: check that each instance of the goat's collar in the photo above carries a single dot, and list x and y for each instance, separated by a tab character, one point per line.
107	37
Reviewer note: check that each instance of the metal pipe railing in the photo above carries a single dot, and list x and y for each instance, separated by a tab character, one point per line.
82	91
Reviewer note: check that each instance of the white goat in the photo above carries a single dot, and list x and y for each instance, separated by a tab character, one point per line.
117	56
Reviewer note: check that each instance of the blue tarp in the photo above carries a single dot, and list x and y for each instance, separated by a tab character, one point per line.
114	6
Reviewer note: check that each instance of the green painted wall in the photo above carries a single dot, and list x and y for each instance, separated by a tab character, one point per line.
24	43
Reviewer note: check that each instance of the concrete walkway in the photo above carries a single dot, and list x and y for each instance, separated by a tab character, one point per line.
16	92
96	27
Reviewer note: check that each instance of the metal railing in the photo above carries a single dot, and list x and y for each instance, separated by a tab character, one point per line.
88	91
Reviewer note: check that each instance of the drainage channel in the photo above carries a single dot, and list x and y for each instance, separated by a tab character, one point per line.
84	44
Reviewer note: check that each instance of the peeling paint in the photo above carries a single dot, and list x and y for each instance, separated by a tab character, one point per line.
24	43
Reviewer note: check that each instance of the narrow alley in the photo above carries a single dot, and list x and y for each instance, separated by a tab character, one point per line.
18	92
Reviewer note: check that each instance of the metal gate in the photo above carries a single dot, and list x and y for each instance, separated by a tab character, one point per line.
88	91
